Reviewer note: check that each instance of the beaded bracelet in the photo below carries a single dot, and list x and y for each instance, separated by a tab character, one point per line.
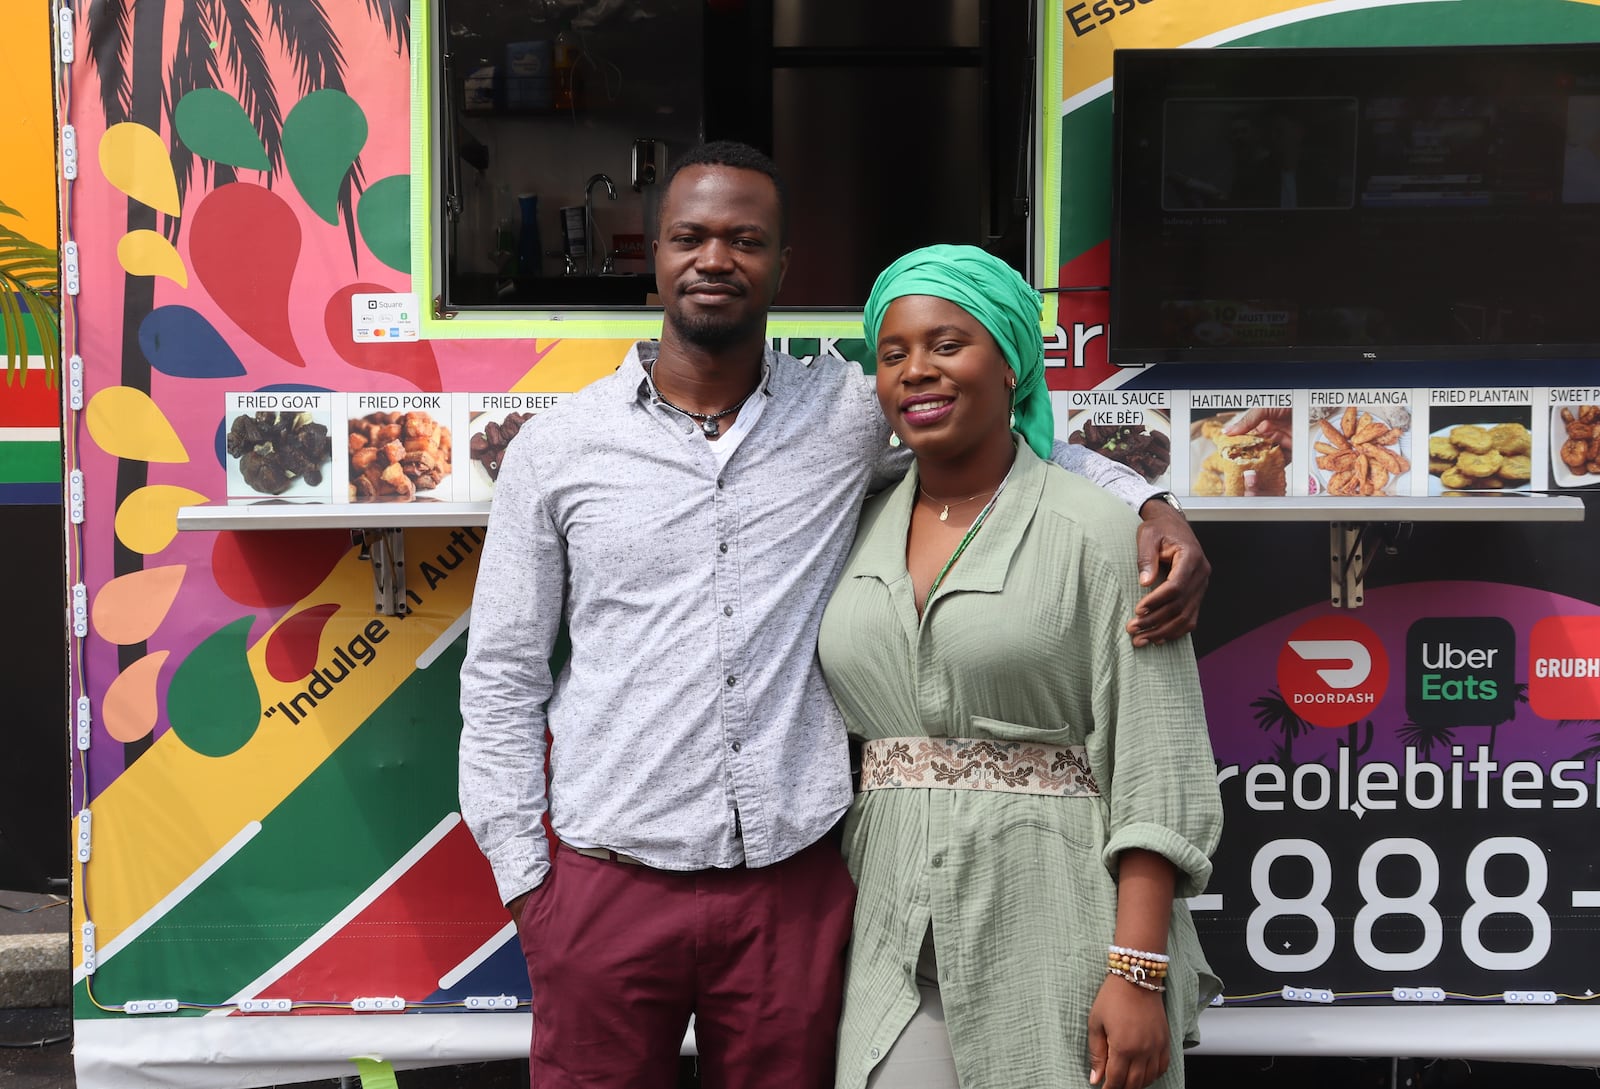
1136	965
1156	987
1159	958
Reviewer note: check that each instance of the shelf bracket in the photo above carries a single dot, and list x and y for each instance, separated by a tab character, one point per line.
1352	546
386	550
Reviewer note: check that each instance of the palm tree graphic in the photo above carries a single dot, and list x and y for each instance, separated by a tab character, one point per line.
1272	712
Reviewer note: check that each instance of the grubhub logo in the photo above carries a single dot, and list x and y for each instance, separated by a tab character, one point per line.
1333	670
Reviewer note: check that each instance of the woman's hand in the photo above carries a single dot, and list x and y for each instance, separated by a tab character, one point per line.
1167	544
1129	1045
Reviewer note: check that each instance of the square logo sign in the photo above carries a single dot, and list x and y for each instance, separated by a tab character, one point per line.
1461	671
389	316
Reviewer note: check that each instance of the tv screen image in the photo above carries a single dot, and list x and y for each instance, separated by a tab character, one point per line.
1355	204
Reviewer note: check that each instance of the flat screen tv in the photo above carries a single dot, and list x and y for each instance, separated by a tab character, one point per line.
1360	204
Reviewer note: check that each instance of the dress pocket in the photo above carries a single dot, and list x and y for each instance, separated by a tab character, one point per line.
1000	730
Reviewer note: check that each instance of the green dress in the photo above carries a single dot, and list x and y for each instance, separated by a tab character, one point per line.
1024	640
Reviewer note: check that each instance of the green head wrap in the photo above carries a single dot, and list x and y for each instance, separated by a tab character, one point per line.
994	293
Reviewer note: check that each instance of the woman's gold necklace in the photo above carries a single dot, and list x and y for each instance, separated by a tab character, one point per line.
944	515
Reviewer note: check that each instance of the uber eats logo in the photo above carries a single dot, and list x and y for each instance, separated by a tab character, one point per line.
1459	671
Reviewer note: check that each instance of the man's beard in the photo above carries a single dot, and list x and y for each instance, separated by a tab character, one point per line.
713	332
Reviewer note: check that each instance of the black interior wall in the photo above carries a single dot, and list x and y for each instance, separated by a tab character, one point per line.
35	801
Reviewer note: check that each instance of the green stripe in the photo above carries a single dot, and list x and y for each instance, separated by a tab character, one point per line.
1086	178
1467	22
30	462
369	803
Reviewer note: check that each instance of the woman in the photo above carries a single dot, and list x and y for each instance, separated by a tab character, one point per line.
1037	795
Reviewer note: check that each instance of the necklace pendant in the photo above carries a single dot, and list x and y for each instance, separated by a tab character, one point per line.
944	515
709	426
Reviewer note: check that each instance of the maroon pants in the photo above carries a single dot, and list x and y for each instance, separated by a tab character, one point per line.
620	956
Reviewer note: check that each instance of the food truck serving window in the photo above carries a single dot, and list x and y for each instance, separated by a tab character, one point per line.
896	123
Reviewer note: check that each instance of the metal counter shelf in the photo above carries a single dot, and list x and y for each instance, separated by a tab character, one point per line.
334	516
1466	508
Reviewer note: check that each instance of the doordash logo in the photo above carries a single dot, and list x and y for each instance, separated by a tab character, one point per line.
1333	670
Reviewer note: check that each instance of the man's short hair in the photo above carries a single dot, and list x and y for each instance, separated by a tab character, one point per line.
741	157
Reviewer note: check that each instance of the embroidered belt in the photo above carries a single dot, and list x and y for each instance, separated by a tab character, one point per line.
969	763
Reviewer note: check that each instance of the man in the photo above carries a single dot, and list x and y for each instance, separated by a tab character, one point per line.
685	519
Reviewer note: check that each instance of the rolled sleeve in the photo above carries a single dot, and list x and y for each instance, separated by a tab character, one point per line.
1151	741
1191	862
506	679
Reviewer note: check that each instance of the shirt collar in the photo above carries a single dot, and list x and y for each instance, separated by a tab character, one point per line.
983	566
638	385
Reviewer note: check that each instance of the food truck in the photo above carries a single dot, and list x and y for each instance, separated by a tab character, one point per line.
295	230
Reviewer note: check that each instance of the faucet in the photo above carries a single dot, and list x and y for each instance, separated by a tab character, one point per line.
588	213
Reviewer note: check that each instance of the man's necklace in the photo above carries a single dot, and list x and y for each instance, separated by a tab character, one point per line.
944	515
708	420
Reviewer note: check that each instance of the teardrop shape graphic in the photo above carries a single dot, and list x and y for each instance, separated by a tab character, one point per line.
384	216
244	243
134	158
148	519
180	342
212	702
268	570
146	253
292	646
130	608
214	126
126	423
131	704
322	136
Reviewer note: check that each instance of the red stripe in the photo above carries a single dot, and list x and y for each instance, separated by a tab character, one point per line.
430	920
37	404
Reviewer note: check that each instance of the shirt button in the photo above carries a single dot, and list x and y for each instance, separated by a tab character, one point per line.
734	746
727	610
938	860
719	483
732	681
723	547
874	1053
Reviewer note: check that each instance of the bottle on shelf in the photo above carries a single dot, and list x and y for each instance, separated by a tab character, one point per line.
563	64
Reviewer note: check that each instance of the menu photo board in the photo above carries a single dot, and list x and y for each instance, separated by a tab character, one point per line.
1361	443
398	448
1240	443
1131	427
278	447
1481	441
1573	417
492	420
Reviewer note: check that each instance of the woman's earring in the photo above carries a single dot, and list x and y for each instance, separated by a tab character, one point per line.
894	440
